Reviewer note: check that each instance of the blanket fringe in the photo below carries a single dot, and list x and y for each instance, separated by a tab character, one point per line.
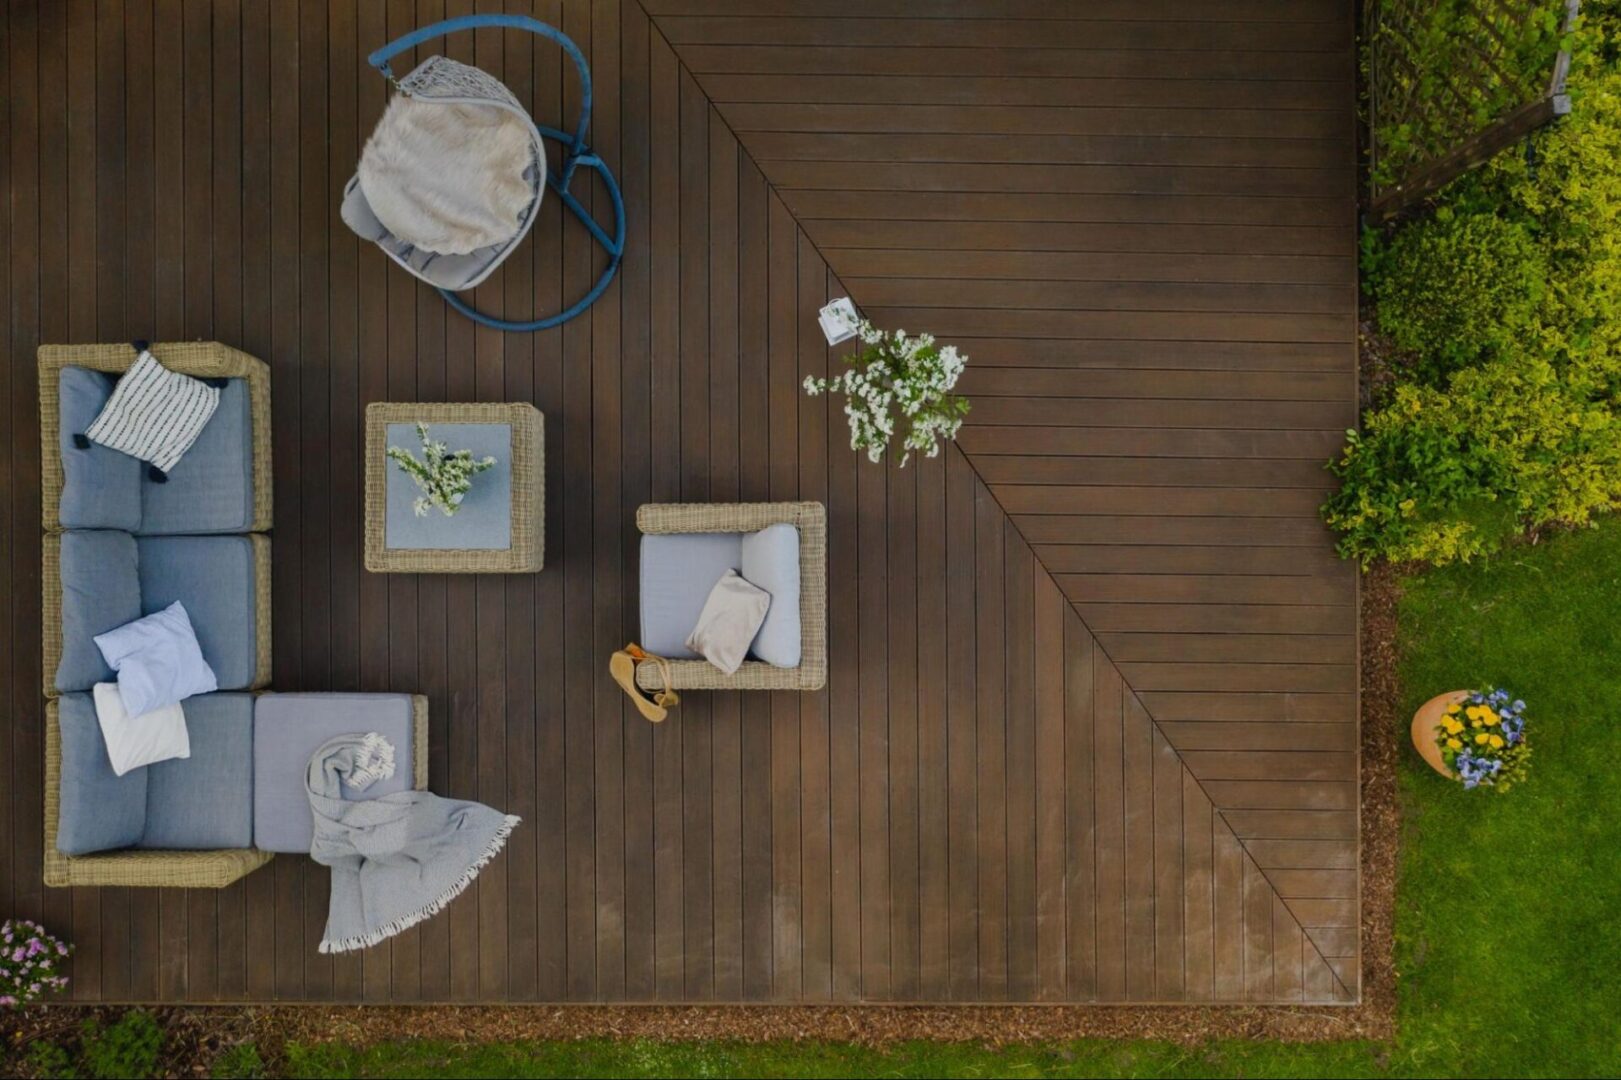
374	762
405	922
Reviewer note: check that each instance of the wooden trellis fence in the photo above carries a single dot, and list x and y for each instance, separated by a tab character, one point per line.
1452	82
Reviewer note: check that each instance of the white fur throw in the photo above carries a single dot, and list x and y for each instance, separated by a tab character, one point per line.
447	178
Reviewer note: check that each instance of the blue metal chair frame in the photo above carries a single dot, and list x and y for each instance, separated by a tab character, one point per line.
576	153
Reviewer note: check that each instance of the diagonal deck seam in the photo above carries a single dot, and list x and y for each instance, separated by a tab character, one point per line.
718	115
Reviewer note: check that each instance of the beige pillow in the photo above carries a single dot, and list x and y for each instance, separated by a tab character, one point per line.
731	617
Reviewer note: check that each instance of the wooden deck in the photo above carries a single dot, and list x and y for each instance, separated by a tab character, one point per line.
1091	729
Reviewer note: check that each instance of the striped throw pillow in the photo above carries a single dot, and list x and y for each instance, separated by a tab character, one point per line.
154	414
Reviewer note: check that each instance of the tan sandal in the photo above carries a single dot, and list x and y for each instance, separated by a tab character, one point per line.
622	666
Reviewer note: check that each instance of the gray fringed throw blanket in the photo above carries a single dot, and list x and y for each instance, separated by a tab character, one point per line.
396	859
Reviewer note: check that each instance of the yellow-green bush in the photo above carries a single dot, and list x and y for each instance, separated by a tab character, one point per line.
1506	305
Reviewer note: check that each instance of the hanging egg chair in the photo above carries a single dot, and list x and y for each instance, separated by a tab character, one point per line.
452	177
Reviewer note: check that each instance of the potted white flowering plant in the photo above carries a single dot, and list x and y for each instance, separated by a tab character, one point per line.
897	380
444	478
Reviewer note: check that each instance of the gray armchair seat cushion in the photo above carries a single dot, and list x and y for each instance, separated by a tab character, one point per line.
211	489
205	802
678	571
288	728
101	590
101	488
214	577
97	809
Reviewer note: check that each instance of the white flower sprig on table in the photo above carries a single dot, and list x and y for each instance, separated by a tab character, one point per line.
444	478
897	380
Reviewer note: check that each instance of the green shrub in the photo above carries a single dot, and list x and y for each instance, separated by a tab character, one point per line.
1507	305
129	1047
239	1062
1458	288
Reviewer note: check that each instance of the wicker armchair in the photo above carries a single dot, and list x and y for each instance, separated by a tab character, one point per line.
810	519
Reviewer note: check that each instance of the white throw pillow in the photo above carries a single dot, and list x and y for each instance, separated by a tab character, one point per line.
770	559
731	617
133	741
154	414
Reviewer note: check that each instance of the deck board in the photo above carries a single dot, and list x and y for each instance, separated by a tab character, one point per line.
1090	729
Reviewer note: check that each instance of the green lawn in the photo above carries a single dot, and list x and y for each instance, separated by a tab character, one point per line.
1509	927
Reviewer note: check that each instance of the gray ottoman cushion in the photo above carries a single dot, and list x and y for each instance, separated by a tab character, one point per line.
100	591
101	488
678	570
213	576
288	728
97	810
211	489
205	802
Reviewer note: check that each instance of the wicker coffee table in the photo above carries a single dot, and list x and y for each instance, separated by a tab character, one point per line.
499	529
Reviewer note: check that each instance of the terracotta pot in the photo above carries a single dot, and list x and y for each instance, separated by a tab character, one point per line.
1425	721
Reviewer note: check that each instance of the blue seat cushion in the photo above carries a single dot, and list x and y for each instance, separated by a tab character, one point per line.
205	802
211	489
213	576
101	590
101	488
97	810
288	728
678	571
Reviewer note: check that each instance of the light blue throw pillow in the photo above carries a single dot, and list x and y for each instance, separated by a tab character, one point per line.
158	660
770	560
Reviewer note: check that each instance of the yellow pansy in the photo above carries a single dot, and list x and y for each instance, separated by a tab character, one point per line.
1490	717
1497	742
1454	744
1454	708
1480	739
1452	726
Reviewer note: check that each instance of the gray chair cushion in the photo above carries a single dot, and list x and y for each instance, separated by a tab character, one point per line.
213	576
288	728
205	802
211	489
678	571
771	561
453	272
101	488
97	810
100	591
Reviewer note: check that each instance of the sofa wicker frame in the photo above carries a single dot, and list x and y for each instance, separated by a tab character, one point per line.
202	359
810	518
171	869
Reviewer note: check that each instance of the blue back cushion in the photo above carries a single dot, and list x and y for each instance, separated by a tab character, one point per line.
205	802
98	811
101	488
211	489
101	590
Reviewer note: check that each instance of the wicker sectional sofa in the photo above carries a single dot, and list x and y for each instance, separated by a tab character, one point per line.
120	544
